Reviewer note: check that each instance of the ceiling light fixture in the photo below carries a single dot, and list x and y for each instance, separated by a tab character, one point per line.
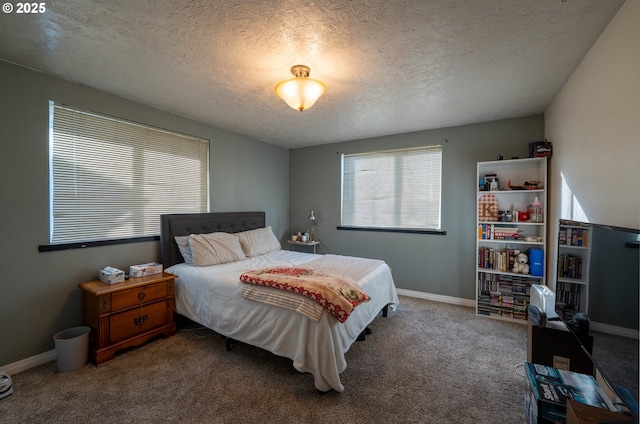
300	92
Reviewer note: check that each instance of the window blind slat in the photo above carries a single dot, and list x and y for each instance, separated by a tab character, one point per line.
112	178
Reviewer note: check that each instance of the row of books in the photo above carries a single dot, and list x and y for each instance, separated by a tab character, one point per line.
568	298
573	236
505	283
503	295
569	266
506	306
497	232
496	259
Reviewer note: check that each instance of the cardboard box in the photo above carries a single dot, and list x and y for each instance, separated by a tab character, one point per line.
145	269
110	275
579	413
548	389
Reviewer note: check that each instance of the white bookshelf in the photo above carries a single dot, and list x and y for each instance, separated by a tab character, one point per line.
500	292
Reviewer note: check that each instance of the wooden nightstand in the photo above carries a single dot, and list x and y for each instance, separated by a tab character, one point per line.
127	314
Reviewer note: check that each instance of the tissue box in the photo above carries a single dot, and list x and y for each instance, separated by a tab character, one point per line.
145	269
110	275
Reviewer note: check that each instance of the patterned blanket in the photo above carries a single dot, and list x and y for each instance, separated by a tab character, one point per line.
335	293
283	299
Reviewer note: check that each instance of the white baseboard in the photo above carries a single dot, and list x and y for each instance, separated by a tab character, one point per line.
615	330
595	326
31	362
438	298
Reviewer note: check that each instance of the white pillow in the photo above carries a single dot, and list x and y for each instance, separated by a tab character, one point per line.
185	249
259	241
215	248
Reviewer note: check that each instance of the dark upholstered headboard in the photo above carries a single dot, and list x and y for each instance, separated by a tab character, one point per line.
201	223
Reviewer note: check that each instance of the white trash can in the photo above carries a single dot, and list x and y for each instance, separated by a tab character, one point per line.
72	348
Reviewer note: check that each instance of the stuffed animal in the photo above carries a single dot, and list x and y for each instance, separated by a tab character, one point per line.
520	265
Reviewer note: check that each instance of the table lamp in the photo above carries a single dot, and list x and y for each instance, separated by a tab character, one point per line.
312	221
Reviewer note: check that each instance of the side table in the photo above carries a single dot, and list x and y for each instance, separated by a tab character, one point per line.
127	314
314	244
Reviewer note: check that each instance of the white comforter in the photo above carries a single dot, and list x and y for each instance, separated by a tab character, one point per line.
211	297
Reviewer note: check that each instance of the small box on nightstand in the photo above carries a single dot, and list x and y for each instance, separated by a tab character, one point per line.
110	275
143	270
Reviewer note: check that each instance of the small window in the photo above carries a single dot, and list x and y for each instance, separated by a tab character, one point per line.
393	189
112	179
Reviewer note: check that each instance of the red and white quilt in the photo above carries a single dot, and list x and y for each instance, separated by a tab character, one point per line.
337	294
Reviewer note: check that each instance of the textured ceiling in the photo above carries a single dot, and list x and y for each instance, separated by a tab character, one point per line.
389	66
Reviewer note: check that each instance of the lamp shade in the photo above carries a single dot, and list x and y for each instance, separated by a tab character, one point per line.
300	92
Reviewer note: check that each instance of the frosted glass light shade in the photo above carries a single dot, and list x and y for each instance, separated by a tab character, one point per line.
301	92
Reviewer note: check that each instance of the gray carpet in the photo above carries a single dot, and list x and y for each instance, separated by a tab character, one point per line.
427	362
618	358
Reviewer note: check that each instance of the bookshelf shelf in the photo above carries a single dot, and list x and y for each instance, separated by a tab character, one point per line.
568	248
521	224
520	242
572	281
513	192
493	271
507	226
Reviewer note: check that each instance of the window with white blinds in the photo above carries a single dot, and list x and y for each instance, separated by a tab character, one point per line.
394	189
112	179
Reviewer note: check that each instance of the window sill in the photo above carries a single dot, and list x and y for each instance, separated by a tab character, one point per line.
394	230
82	245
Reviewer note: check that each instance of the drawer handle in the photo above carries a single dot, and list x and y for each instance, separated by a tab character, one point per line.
140	320
141	295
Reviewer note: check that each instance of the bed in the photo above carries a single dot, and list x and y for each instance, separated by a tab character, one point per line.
214	297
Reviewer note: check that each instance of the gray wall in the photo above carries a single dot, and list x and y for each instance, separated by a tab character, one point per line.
436	264
38	291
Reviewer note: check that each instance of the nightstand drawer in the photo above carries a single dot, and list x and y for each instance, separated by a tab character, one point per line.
136	321
127	298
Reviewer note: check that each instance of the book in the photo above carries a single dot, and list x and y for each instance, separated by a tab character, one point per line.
548	390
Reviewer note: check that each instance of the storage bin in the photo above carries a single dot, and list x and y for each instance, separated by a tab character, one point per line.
536	262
